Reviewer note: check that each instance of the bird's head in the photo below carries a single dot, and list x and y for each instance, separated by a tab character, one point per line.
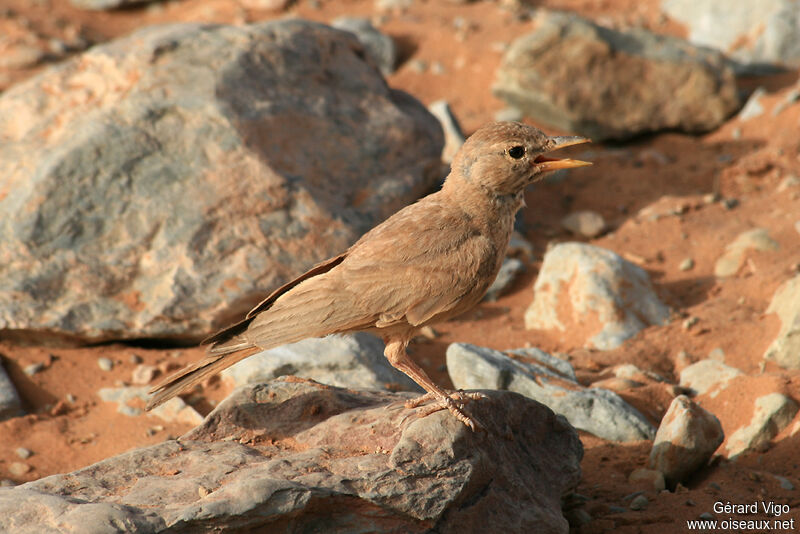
504	157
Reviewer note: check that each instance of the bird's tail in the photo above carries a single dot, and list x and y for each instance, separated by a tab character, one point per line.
219	357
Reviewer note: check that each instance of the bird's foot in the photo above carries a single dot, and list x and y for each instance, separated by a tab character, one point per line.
453	401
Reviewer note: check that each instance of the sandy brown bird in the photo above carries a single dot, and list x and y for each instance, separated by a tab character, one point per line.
428	262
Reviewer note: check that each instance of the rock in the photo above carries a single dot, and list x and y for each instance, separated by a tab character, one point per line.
18	469
753	107
687	264
757	34
509	270
453	135
785	349
23	453
653	479
732	260
772	413
165	181
584	223
380	47
578	279
598	411
143	374
350	361
791	97
10	404
707	375
687	437
102	5
574	75
105	364
33	368
174	410
293	455
639	502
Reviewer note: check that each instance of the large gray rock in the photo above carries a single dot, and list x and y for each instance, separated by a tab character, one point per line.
757	34
348	361
572	74
687	437
296	456
159	185
785	349
598	411
586	280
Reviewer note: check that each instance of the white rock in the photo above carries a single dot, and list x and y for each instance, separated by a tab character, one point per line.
585	223
785	349
598	411
584	279
174	410
351	361
687	437
708	374
733	258
772	413
10	404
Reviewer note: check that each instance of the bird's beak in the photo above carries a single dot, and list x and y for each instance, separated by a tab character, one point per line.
545	163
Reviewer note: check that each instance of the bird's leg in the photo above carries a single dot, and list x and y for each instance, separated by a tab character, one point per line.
454	401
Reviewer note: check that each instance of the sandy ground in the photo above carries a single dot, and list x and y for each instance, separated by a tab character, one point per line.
461	46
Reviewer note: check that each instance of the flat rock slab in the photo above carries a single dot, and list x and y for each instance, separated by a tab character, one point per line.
575	75
297	456
158	186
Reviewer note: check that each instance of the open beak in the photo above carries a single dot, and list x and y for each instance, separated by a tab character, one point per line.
546	163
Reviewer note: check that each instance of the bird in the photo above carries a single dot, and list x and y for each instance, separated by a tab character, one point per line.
431	261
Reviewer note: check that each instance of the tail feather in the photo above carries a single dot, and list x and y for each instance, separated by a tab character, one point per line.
218	358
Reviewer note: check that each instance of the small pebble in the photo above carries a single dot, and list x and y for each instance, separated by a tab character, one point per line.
616	509
707	516
437	68
6	483
710	198
715	486
418	65
105	364
730	203
690	322
71	398
785	483
33	368
639	502
135	359
18	468
23	453
143	374
686	264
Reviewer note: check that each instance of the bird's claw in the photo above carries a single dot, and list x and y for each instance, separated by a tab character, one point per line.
452	401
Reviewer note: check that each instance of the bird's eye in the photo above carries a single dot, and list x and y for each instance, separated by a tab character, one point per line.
516	152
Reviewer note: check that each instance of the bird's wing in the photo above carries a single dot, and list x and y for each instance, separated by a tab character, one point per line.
422	262
230	332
